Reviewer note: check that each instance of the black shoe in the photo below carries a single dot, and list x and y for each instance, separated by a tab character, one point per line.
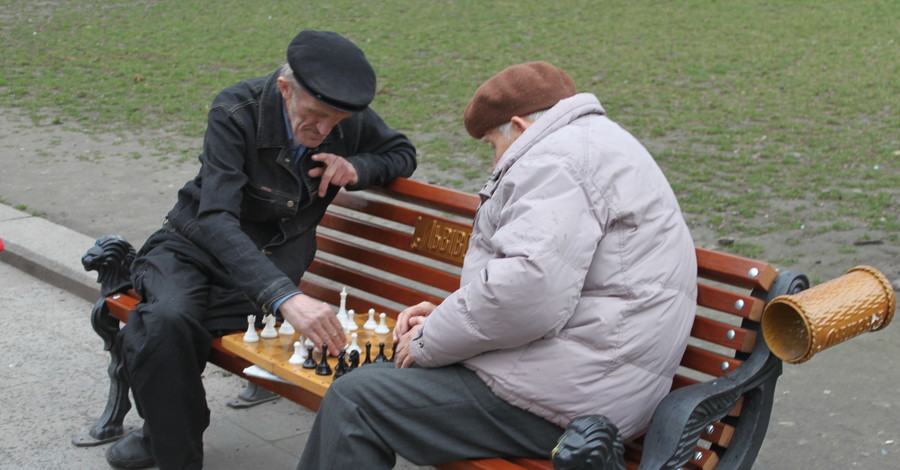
131	452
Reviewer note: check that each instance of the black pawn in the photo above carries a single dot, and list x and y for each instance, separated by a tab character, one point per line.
341	368
368	353
323	368
381	357
393	352
354	360
309	363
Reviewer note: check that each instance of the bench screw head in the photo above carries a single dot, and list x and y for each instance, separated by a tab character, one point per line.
739	304
753	273
117	296
730	335
698	455
710	429
725	366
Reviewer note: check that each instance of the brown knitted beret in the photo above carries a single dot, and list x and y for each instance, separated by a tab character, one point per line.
516	91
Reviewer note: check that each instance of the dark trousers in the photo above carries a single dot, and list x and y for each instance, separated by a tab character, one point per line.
166	342
428	416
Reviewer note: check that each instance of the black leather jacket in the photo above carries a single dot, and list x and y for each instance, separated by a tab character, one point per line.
245	206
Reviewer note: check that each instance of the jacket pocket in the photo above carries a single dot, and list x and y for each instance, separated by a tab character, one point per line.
261	204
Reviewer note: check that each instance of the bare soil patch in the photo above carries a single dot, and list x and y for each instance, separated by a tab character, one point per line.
121	183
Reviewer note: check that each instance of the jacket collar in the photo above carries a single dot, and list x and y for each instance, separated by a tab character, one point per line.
557	117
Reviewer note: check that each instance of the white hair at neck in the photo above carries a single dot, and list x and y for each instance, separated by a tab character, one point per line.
506	128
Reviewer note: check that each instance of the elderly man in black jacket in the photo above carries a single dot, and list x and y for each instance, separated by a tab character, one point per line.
276	152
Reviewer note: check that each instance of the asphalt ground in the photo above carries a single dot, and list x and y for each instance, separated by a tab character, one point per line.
839	410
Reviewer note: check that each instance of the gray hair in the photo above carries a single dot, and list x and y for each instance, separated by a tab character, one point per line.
506	127
287	73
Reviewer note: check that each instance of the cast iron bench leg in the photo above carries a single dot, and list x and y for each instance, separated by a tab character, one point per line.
111	257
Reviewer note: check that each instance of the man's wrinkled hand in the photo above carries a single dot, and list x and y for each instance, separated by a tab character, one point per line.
410	317
338	171
316	320
403	355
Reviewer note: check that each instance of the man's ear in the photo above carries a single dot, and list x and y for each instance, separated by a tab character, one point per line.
520	123
285	87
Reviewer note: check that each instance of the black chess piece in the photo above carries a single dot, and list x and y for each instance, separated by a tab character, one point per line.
323	368
354	360
368	353
310	362
381	357
341	368
393	352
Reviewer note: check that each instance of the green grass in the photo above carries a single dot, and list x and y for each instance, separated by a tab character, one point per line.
749	106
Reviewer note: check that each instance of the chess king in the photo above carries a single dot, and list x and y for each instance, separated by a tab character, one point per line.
576	297
276	152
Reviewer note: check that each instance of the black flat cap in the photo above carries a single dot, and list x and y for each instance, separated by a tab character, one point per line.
332	69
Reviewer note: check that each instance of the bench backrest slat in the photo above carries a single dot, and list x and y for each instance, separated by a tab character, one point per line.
723	334
735	270
388	262
731	302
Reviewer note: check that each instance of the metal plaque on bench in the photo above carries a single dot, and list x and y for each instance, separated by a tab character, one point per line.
441	238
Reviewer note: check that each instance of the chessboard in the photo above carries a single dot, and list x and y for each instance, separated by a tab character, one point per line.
274	354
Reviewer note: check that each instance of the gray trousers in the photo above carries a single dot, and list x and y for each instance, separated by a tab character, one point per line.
428	416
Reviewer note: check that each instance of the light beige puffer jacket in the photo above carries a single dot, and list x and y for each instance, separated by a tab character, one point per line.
579	286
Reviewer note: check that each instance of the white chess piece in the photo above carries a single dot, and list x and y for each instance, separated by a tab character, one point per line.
286	328
299	354
370	324
251	336
351	320
269	330
354	344
342	311
382	328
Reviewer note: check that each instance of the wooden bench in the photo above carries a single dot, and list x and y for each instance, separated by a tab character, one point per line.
396	246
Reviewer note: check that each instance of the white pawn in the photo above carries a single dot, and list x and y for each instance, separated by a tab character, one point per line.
370	324
299	354
251	336
308	342
351	320
286	328
269	330
382	328
354	344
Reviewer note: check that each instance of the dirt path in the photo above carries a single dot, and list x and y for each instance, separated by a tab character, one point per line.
117	183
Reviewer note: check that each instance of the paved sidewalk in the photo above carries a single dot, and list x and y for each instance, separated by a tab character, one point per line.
54	383
840	410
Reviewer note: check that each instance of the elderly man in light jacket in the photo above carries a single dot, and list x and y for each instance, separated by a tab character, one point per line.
577	296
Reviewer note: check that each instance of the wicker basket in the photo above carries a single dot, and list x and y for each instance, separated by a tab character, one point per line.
798	326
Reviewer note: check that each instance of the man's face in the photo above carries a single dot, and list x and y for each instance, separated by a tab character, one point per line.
310	119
